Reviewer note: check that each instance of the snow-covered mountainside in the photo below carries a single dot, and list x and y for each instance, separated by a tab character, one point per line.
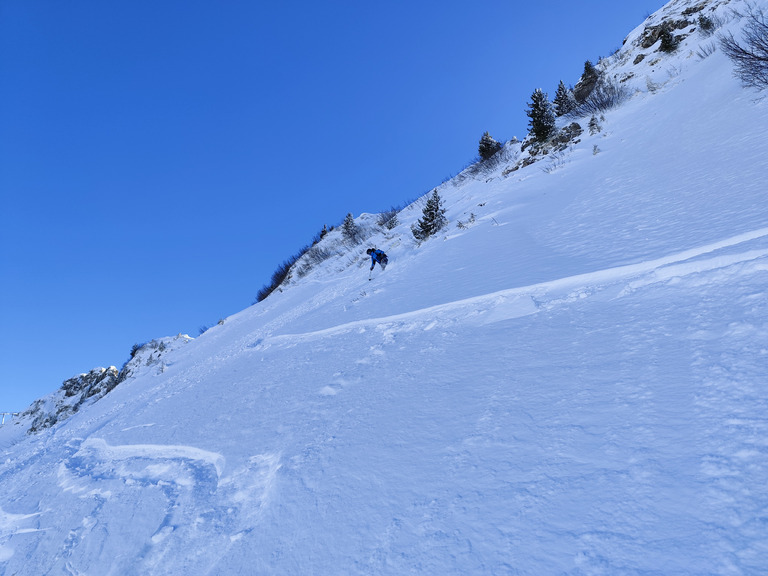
570	378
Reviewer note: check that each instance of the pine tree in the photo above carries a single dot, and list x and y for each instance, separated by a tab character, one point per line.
564	100
594	126
488	146
590	71
542	123
668	41
349	229
433	220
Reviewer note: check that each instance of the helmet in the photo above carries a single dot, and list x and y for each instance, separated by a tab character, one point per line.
369	251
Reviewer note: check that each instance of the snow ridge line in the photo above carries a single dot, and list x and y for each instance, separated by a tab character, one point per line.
525	300
153	451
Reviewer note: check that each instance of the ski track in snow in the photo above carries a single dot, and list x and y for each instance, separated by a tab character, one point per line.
202	505
522	301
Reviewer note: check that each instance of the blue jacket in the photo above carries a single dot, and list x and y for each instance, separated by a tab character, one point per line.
377	256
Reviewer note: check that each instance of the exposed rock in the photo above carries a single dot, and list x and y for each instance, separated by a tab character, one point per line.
527	161
96	384
507	171
586	84
70	397
651	34
694	9
567	134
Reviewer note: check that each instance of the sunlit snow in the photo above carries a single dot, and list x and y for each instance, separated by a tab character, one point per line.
572	382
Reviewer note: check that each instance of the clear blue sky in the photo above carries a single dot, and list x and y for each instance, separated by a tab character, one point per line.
159	159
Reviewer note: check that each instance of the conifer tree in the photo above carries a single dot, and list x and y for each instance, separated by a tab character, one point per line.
433	219
488	146
590	72
542	116
564	100
668	41
349	229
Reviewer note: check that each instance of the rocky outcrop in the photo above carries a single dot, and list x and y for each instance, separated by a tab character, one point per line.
651	34
70	397
586	83
94	385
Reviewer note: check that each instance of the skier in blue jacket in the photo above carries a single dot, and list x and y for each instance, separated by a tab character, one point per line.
377	256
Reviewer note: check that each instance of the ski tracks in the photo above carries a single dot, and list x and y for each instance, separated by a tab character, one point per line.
616	282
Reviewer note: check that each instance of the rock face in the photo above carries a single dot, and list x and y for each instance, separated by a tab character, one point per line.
70	397
586	84
652	34
97	382
91	386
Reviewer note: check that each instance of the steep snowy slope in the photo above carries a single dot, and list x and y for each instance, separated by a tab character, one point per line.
571	382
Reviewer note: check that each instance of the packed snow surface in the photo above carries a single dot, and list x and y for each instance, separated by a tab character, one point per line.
573	381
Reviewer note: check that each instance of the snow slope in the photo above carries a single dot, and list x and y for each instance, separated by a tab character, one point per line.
574	382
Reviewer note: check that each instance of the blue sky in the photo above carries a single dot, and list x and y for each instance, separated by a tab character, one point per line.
158	160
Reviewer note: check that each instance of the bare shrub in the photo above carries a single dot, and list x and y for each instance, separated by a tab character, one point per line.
465	225
706	50
557	159
281	274
318	254
312	257
503	156
388	219
607	94
750	60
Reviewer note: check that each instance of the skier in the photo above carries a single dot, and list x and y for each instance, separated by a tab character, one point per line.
377	256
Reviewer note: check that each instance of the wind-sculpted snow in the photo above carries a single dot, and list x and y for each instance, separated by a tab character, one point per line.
167	502
10	525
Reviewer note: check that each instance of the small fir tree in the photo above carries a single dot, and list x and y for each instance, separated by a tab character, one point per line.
542	116
668	41
488	146
706	25
388	219
564	100
349	229
433	219
594	126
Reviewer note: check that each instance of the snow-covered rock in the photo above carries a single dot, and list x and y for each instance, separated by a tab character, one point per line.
96	384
